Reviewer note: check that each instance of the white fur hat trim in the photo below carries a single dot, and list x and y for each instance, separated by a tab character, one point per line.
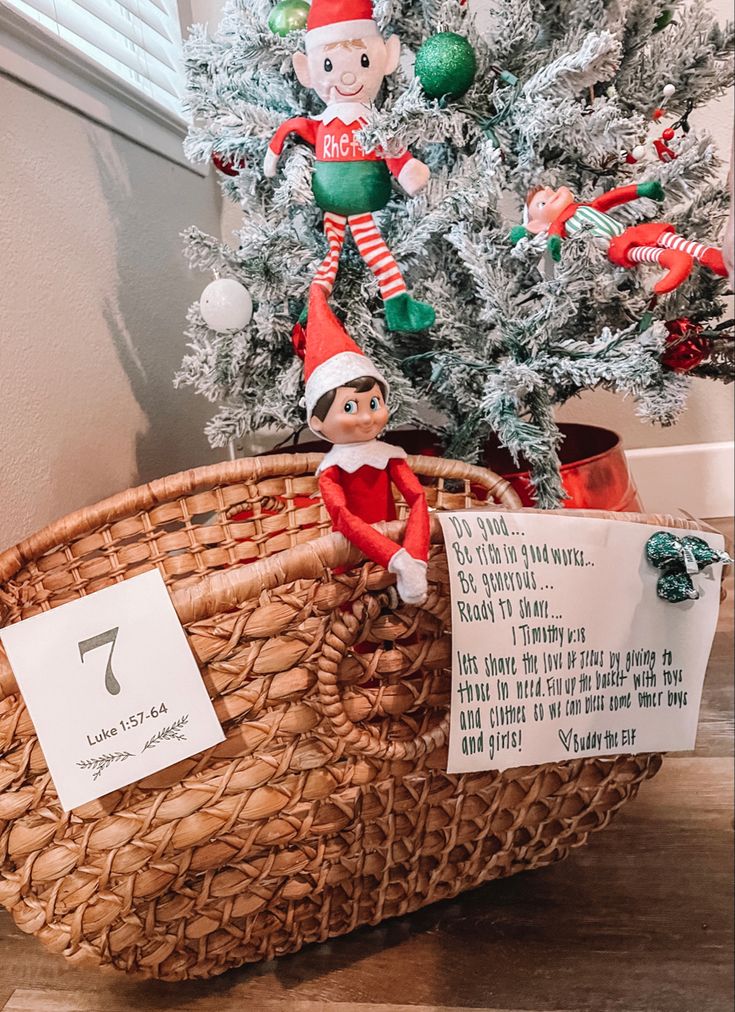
340	31
334	373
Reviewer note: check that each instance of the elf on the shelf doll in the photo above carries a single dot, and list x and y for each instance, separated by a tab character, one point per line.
558	215
345	63
346	405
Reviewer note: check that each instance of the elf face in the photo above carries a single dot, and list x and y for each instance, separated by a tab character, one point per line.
348	71
545	206
353	417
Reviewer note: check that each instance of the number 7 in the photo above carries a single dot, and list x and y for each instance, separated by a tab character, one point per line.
111	683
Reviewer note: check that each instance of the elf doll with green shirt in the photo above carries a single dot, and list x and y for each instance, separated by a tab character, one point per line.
346	405
345	63
558	215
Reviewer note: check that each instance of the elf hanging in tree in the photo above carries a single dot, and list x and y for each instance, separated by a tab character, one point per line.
346	405
345	63
557	214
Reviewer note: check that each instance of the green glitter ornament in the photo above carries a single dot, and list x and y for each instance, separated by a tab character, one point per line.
664	549
288	16
703	554
446	65
676	588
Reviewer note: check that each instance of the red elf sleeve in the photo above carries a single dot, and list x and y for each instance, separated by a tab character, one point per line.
397	165
371	543
304	127
614	198
416	541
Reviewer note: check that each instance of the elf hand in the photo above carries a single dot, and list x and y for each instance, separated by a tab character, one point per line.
517	233
410	577
270	165
414	176
553	247
652	190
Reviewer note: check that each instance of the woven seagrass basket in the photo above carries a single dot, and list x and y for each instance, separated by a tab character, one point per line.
328	805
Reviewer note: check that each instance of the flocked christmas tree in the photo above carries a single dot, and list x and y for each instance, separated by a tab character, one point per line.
592	95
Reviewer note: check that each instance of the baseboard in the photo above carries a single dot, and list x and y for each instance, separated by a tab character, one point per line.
699	478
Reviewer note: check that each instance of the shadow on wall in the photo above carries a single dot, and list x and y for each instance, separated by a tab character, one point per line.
150	202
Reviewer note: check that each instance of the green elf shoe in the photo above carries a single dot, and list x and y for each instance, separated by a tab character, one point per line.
408	315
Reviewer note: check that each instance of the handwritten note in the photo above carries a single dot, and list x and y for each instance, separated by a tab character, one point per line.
561	647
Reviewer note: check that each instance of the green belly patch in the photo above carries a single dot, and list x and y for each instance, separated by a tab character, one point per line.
351	187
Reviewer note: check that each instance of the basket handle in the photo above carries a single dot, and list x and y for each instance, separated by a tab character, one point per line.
342	634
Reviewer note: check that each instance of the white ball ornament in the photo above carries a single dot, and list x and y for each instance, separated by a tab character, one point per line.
226	305
638	152
669	90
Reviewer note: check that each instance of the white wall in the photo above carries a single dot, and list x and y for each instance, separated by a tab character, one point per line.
93	303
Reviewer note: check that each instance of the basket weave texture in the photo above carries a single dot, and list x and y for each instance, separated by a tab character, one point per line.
328	805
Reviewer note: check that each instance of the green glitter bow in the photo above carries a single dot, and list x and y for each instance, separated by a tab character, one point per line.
680	559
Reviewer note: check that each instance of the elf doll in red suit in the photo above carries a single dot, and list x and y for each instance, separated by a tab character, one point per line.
346	405
345	63
557	214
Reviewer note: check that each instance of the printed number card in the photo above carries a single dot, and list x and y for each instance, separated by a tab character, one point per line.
562	648
112	688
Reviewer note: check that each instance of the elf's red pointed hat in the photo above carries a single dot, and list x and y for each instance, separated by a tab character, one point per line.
339	21
332	357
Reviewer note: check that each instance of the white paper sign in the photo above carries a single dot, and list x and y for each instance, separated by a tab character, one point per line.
561	646
112	688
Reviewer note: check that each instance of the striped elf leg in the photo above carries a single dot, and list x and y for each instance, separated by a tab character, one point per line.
645	255
401	311
708	256
335	226
678	264
377	256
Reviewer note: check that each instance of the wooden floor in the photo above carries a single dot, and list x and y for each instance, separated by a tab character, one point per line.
640	920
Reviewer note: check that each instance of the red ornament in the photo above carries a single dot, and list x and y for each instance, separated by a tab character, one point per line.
664	152
668	134
227	165
686	346
630	159
658	113
298	337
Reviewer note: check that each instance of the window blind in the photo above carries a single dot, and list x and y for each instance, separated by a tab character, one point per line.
138	41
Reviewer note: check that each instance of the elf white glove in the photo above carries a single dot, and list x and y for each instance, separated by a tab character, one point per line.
410	576
414	176
270	165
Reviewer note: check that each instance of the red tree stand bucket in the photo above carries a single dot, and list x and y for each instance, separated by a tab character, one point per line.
595	471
